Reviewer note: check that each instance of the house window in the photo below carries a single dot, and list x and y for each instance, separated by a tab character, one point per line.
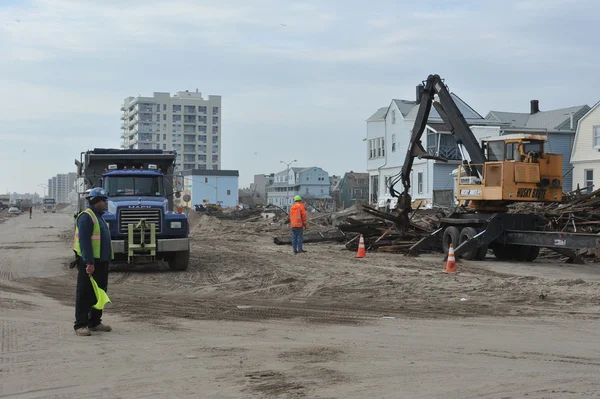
589	179
393	143
379	147
393	117
596	136
420	182
228	192
206	180
306	190
370	149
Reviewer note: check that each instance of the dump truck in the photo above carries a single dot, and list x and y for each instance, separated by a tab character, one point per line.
141	184
49	205
494	174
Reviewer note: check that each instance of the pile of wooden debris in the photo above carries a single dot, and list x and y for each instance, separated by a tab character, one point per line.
379	229
579	215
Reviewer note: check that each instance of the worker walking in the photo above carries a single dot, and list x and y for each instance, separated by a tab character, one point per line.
298	224
94	251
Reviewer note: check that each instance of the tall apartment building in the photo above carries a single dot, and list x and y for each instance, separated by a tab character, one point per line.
186	123
60	186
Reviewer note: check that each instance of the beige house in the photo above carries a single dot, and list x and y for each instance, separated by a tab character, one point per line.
586	151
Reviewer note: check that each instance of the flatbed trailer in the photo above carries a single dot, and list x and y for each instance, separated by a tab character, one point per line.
508	235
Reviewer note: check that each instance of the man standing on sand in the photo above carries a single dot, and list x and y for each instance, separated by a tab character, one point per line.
298	224
30	211
94	251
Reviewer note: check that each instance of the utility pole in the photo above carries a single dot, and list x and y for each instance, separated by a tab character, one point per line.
287	184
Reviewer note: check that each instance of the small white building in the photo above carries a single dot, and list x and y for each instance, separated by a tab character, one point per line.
586	151
218	187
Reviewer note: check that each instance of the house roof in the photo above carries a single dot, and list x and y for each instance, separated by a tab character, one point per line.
469	113
557	119
578	128
405	106
357	175
209	172
379	115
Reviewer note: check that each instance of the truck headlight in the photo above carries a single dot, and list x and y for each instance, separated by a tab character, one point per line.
175	225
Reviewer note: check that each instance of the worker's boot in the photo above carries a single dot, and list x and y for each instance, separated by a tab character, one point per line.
101	327
83	332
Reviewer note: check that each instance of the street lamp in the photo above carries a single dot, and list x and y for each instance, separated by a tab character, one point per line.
44	187
287	184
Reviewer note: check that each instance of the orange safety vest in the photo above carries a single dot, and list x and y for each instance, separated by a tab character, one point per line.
298	215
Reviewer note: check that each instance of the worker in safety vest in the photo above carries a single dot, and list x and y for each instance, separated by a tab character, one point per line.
93	248
298	224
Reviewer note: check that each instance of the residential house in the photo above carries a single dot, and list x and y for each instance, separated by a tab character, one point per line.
559	125
585	156
205	186
352	188
388	135
312	184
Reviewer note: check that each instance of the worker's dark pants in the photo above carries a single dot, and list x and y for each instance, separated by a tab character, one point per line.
85	298
297	239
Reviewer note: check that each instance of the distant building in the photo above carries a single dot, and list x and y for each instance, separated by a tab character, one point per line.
61	186
258	188
559	125
312	184
351	189
186	123
218	187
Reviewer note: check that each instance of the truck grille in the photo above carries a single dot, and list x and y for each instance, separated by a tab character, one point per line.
133	216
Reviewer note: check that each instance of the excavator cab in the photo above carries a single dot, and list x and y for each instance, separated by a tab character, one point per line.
516	169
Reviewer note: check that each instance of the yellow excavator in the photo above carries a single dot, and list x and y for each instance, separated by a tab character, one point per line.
495	173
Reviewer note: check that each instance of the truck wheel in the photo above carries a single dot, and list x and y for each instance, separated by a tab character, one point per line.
179	261
466	234
451	236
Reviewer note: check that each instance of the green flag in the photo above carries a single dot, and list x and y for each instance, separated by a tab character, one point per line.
101	296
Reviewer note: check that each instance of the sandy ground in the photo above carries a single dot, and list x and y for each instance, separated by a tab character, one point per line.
250	319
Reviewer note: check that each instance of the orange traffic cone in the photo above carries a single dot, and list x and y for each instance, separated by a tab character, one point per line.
361	248
451	263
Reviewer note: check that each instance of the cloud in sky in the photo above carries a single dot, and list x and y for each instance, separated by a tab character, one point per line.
298	79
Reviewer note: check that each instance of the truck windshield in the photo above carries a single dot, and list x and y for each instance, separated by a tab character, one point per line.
129	185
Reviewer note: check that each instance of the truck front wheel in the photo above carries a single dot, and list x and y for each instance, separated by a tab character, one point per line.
179	261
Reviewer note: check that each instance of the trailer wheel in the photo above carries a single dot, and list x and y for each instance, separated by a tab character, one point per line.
502	252
525	253
533	254
466	234
451	236
482	253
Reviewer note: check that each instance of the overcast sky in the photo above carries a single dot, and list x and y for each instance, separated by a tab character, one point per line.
298	79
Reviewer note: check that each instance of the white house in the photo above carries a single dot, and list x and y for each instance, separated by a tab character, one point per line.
388	136
218	187
586	151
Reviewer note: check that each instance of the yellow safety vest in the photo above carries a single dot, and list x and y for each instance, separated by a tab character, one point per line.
96	236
